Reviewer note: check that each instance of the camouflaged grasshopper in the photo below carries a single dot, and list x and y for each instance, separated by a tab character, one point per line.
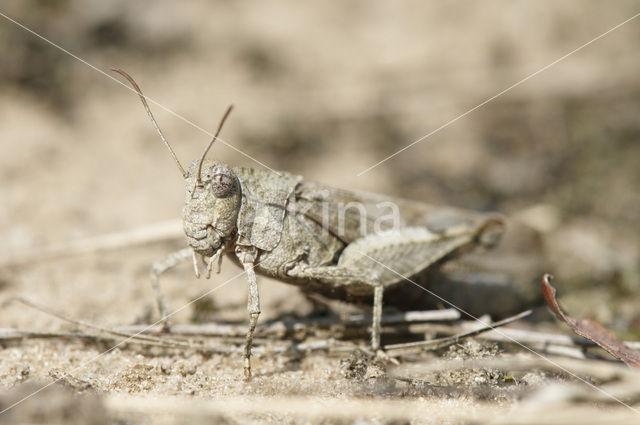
336	242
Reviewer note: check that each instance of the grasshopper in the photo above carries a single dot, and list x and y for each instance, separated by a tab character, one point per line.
339	243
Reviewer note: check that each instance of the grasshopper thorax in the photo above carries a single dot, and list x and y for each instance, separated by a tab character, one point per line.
212	203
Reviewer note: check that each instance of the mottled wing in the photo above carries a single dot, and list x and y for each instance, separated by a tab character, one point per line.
351	215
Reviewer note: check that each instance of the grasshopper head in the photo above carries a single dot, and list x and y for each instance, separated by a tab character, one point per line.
212	203
213	192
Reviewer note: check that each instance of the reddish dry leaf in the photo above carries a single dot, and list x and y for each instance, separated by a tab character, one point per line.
590	329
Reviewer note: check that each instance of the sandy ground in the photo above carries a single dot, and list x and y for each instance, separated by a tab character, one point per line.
325	91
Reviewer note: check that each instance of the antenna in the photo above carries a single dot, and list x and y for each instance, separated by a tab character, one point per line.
153	120
224	118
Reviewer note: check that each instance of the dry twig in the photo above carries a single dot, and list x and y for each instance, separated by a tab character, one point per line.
590	329
443	342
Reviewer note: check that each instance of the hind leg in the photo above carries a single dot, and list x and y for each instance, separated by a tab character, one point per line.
342	276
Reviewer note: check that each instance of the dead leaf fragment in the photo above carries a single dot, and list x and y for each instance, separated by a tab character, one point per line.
590	329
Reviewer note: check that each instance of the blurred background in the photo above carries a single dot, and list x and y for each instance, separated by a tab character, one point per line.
325	90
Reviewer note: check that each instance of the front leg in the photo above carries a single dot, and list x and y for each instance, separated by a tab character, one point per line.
160	266
247	256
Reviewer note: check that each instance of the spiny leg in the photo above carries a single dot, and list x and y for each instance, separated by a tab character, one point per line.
160	266
376	325
247	256
253	306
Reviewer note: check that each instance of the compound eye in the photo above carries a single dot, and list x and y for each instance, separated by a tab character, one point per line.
221	181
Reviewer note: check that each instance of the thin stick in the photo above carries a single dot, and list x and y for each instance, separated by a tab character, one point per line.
507	335
16	334
282	327
138	336
9	334
218	348
443	342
